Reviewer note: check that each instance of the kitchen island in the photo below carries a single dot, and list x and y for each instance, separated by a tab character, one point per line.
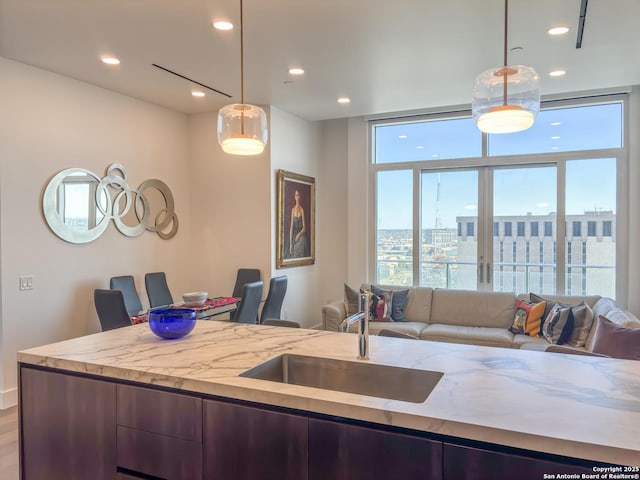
584	408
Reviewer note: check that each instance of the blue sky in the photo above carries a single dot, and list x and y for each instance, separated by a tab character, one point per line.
590	183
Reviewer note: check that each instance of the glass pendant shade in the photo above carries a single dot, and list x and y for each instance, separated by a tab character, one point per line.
506	99
242	129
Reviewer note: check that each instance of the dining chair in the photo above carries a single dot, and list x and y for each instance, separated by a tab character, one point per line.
273	304
243	276
127	286
251	296
111	309
157	289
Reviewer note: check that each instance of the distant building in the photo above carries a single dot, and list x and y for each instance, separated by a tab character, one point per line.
524	251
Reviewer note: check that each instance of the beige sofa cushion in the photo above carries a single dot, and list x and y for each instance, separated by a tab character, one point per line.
475	309
521	340
491	337
412	328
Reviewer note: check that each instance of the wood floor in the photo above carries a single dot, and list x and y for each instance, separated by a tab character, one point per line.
9	444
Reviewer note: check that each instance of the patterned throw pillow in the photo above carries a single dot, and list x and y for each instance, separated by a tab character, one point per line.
398	302
379	306
568	324
558	325
526	320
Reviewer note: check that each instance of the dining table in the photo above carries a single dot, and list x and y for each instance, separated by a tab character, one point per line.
212	307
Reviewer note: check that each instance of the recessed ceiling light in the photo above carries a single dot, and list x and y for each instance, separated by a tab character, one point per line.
435	155
402	137
419	147
555	124
344	100
555	137
110	60
222	25
555	148
557	73
197	93
296	71
557	30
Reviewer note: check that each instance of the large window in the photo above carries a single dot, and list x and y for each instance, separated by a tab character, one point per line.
484	208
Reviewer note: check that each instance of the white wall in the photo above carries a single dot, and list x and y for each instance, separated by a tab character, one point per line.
230	198
332	209
295	147
633	291
49	123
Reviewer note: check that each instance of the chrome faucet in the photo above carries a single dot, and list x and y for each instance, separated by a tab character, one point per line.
363	327
362	317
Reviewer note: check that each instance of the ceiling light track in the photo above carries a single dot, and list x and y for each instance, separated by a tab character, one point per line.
191	80
581	20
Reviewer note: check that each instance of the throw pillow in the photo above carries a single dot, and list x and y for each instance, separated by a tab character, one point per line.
526	320
582	322
351	300
616	341
558	325
379	306
398	302
533	298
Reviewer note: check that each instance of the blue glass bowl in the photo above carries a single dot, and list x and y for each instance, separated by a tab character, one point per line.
172	322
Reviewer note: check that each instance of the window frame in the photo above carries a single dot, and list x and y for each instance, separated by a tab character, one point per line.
621	155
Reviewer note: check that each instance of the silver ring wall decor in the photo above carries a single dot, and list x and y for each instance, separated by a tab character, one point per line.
78	205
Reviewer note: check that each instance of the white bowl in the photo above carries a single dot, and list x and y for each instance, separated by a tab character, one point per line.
194	299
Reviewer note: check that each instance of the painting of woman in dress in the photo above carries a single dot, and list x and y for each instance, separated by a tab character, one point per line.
295	219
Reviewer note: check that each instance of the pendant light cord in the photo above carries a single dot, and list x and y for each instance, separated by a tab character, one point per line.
241	69
504	70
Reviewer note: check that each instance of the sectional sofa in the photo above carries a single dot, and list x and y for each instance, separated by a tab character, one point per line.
486	318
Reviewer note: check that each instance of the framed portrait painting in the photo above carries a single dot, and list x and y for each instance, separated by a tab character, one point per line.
296	227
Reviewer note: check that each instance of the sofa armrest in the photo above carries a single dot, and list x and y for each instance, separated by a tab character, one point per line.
332	315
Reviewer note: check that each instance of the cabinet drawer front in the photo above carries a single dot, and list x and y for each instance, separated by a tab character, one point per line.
159	455
340	451
468	463
160	412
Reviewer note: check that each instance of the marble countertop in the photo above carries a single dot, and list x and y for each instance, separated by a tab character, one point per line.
583	407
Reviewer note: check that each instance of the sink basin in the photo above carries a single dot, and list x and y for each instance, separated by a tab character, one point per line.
384	381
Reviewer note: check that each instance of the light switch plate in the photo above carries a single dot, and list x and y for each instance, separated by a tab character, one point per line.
26	282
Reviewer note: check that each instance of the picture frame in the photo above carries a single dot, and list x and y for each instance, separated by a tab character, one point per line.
296	222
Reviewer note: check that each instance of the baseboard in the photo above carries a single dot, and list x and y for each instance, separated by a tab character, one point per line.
8	398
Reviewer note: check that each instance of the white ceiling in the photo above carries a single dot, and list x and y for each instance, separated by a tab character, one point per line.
386	55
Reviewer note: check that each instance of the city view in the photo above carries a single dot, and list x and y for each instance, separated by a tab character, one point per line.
524	254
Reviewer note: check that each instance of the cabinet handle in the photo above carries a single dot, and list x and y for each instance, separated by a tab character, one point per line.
488	273
481	272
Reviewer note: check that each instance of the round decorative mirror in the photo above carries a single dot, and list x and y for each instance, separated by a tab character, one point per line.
78	205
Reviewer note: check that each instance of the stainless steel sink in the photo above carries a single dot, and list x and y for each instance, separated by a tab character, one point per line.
384	381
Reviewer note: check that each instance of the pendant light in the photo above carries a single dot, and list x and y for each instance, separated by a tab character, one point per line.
506	99
242	128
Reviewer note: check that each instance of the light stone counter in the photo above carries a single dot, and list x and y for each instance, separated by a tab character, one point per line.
583	407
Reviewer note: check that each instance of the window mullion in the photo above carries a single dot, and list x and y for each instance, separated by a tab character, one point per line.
417	227
561	234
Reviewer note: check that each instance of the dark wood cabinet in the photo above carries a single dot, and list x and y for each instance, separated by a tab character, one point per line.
470	463
347	452
67	427
248	443
159	433
74	427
